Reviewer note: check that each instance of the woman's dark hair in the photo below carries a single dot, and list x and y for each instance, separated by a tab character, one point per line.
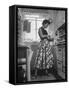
45	22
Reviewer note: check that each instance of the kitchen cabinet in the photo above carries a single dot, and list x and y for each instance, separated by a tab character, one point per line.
61	50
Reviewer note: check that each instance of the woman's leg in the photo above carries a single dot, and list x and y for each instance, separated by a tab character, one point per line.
46	72
36	72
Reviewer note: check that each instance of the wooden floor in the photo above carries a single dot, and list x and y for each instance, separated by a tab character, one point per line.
43	77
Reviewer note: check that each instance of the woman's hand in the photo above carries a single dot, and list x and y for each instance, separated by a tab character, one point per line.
49	38
52	39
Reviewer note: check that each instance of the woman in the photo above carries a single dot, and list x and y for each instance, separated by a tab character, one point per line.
44	57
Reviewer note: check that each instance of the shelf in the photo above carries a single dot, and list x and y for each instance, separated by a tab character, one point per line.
60	43
60	40
62	35
23	46
22	66
22	60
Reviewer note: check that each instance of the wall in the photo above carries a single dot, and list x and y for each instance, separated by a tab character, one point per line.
58	18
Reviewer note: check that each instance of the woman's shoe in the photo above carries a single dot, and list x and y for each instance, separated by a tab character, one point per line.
46	73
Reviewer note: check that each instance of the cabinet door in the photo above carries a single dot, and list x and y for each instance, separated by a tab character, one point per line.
60	73
60	54
63	59
64	56
59	66
22	65
21	52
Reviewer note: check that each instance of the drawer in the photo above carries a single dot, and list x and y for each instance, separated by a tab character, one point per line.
22	52
59	55
63	51
59	65
63	61
21	61
63	70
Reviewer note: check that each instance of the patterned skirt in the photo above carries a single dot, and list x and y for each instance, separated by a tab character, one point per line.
44	56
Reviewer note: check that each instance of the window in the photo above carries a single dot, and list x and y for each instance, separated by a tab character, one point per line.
32	23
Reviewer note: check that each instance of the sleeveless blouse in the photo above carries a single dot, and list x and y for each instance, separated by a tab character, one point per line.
44	32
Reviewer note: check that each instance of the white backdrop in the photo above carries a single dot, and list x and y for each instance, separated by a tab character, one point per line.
4	44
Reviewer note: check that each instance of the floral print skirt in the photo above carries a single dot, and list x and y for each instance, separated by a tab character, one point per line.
44	56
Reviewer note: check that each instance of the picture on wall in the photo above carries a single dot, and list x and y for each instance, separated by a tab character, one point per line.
37	44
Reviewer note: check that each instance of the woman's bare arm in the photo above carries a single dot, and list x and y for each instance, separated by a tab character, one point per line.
45	36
